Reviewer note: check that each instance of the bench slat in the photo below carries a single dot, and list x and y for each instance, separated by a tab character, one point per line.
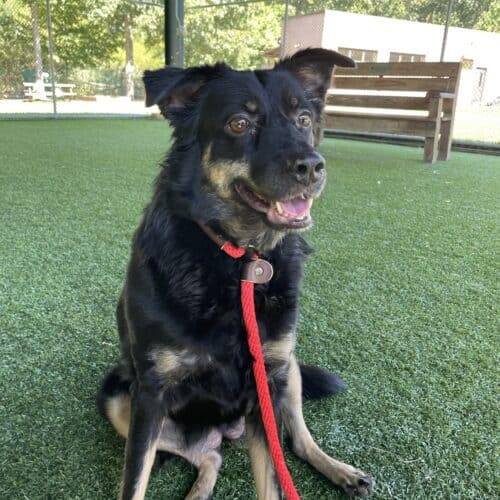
444	69
407	125
383	116
398	84
377	101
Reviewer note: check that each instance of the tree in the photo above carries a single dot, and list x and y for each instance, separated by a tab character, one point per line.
16	44
124	18
39	90
129	56
238	34
120	35
489	20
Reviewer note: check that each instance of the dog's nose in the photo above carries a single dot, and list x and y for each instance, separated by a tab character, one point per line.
309	169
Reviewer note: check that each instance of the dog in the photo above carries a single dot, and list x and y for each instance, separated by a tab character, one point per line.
242	166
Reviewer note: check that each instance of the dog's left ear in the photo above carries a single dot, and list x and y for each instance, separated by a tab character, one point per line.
313	68
172	89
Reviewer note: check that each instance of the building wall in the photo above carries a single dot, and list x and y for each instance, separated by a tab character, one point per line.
303	32
385	35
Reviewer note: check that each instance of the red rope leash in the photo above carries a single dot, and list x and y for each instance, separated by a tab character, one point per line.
232	250
266	405
258	271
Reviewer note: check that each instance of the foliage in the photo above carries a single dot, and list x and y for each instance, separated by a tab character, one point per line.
15	36
86	33
90	33
238	34
489	19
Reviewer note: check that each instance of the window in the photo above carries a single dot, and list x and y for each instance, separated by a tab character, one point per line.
359	55
402	57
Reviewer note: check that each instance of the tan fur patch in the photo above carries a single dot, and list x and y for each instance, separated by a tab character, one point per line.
344	475
222	174
165	360
257	234
142	482
280	350
174	365
118	412
262	466
242	227
208	470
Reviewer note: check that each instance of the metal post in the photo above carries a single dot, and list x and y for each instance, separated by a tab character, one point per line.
166	31
174	32
285	26
51	58
445	34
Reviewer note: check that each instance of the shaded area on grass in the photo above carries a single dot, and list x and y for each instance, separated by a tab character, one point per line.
400	298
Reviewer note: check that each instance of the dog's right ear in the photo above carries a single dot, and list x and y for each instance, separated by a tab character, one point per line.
172	89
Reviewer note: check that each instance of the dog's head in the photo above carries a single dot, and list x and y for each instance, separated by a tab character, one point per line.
244	142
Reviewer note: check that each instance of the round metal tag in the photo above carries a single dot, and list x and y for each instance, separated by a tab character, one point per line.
257	271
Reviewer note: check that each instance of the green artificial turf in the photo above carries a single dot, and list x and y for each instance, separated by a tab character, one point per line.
400	298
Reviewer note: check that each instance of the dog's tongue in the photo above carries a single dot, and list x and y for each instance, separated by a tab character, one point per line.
296	207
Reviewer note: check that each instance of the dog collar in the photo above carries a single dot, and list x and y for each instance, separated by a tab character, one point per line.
255	270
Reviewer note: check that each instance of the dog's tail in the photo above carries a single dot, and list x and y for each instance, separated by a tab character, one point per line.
319	383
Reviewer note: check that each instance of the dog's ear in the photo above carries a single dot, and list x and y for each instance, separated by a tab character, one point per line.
172	89
313	68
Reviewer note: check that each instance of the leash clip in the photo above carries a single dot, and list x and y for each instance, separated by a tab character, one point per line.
258	271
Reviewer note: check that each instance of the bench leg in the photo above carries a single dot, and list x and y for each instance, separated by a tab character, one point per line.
445	141
431	143
431	149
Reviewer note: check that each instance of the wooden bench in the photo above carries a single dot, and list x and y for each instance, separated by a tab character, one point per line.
417	99
64	90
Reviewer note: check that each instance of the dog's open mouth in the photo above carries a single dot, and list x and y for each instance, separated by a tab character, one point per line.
292	213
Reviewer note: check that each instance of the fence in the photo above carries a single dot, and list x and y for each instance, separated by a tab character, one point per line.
100	48
77	56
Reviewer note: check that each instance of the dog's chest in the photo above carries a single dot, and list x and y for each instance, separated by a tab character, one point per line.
214	382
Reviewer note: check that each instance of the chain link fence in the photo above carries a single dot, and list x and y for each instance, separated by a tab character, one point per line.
87	56
101	47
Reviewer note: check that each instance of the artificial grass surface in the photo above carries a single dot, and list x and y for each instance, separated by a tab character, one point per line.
400	298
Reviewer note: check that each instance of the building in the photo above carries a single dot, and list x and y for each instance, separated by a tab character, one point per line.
381	39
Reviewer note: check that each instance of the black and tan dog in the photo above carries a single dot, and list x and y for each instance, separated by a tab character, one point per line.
243	164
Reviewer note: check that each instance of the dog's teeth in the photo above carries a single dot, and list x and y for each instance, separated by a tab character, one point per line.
279	208
303	196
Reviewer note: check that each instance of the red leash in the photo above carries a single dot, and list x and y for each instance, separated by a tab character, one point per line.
266	405
259	271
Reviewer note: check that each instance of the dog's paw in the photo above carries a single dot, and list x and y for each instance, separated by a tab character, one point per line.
358	484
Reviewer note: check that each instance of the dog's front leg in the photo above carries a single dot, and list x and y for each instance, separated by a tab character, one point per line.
353	481
262	466
146	422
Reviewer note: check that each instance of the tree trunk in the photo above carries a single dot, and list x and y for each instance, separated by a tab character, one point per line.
39	91
129	58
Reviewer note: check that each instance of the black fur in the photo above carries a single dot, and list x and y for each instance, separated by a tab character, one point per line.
318	383
115	383
182	293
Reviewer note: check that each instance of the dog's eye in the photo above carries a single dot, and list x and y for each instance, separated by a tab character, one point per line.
304	120
238	126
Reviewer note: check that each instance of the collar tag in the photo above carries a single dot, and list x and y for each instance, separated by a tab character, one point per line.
258	271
